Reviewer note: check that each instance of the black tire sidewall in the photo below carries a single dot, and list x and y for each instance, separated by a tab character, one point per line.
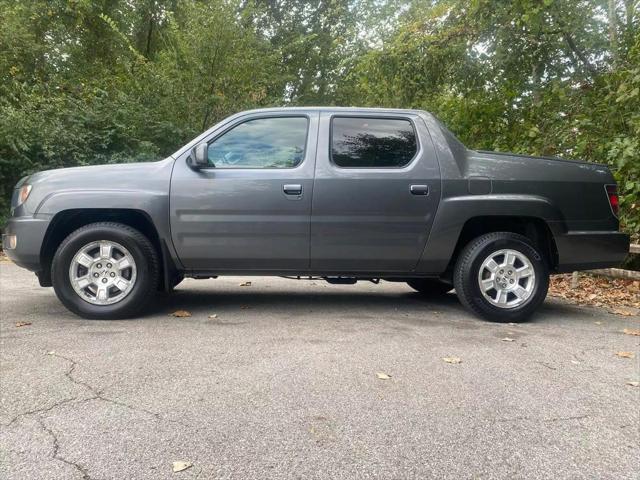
129	238
472	288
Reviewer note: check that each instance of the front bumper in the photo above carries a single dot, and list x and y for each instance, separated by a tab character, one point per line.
29	232
591	250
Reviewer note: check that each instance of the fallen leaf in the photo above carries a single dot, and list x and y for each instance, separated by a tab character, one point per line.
181	313
633	384
622	311
596	290
23	324
626	354
546	365
383	376
180	466
215	315
598	323
453	360
51	353
507	339
629	331
575	362
245	284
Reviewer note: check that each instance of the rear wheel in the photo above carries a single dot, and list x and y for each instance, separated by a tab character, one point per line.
501	277
105	271
430	286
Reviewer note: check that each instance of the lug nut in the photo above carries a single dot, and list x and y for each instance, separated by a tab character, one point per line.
511	281
501	271
510	272
99	265
104	280
95	275
113	275
109	266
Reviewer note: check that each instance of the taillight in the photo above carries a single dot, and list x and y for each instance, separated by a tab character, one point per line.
614	201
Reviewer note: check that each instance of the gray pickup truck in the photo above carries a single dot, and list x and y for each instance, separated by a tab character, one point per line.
343	194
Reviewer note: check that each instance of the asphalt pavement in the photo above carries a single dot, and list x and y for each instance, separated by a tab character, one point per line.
280	379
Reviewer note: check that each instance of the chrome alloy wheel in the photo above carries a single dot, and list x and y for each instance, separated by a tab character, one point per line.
103	272
507	278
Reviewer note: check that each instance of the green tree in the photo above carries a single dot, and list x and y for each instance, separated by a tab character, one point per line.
79	86
96	81
528	76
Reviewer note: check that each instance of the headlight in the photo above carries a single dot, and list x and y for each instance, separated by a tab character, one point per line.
23	194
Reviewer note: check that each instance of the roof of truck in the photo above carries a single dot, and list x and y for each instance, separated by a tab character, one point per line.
337	109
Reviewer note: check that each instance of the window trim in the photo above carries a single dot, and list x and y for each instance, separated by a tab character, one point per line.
263	117
374	117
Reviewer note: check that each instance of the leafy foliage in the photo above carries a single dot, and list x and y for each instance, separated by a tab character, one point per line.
541	78
98	81
76	89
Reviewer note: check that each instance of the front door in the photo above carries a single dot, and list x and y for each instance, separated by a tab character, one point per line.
376	190
250	211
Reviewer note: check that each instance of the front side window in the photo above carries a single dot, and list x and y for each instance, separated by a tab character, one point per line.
372	142
277	142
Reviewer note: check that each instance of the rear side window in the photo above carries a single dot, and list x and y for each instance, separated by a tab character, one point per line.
360	142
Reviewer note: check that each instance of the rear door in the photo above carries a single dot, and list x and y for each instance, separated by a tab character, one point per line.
376	190
250	210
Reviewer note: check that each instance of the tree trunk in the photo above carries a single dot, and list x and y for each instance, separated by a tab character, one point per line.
630	13
536	83
149	36
578	53
536	72
613	30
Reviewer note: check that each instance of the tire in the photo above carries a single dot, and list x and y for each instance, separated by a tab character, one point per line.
510	294
430	287
139	274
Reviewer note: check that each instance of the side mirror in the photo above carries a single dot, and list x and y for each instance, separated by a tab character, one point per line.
200	156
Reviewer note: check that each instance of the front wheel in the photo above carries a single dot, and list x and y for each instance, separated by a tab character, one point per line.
501	277
105	271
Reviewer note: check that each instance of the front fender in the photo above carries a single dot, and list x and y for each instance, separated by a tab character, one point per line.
153	204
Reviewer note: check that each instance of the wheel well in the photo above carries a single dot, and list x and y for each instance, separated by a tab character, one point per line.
533	228
67	221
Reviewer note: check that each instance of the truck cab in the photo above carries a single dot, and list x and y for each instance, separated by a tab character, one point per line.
307	191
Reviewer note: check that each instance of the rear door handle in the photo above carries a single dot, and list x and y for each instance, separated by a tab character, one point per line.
292	189
419	189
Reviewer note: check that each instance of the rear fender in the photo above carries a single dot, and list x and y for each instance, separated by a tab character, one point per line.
454	212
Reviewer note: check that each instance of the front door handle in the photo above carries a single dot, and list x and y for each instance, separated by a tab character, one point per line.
292	189
419	189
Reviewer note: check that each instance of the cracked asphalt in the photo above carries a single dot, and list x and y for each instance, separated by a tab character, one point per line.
282	384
